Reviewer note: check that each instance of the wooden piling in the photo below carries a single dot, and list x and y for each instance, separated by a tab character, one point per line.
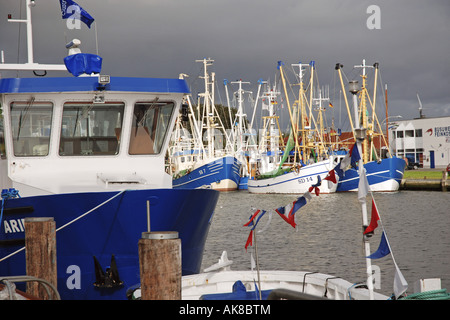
160	266
444	182
40	252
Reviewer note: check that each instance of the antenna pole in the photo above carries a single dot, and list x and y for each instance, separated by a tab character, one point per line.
30	65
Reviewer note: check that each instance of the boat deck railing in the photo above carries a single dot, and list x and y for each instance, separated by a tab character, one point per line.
8	281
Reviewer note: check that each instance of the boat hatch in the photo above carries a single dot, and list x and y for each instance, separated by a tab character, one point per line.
129	179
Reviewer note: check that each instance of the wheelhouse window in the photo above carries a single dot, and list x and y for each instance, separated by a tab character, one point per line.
151	122
90	129
31	127
2	139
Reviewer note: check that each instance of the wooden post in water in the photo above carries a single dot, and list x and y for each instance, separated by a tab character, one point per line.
444	183
160	265
40	252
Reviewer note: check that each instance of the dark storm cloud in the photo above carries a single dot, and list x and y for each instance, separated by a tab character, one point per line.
246	39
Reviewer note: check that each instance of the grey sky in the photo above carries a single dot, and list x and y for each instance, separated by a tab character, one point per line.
246	38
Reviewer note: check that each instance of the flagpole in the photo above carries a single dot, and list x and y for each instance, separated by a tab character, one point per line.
96	37
360	134
257	265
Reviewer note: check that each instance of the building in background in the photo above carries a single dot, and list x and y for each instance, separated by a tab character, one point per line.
425	141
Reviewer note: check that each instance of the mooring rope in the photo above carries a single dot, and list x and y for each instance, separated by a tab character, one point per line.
69	223
440	294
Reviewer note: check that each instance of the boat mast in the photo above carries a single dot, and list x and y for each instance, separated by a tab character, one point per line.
271	127
206	101
291	116
363	110
30	65
338	68
321	109
240	114
304	119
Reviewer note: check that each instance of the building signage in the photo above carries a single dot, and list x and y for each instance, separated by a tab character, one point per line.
442	131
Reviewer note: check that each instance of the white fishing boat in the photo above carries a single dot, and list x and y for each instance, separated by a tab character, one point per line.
311	164
219	282
204	158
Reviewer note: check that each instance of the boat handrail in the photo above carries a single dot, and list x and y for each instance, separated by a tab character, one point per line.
47	285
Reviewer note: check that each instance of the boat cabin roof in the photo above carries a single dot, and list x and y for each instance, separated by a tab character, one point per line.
75	84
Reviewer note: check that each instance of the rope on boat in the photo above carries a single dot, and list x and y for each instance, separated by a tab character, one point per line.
8	194
86	213
441	294
70	222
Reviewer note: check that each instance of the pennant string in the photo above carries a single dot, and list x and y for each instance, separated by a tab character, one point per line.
287	212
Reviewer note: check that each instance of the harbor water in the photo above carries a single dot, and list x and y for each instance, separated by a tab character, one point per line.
328	237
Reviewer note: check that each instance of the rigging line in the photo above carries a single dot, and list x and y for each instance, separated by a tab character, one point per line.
93	209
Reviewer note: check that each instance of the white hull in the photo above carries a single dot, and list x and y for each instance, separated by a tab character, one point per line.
224	185
314	284
297	182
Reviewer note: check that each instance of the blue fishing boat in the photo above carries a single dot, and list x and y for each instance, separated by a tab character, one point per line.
205	158
384	173
221	174
88	151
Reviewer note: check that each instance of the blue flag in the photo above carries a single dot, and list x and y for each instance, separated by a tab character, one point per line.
355	157
383	249
70	9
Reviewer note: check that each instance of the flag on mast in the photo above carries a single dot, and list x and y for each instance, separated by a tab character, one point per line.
383	249
253	221
70	9
374	219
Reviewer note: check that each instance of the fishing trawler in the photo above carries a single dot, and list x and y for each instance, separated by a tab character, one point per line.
195	164
311	164
383	173
88	150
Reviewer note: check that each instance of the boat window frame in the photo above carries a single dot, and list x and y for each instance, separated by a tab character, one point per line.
144	134
3	155
118	134
32	102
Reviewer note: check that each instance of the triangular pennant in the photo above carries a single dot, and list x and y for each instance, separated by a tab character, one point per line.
374	219
249	240
400	284
331	176
363	186
383	249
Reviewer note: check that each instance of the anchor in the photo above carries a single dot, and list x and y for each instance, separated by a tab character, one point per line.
109	278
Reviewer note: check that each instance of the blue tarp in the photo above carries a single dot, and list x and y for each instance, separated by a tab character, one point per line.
239	293
80	63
